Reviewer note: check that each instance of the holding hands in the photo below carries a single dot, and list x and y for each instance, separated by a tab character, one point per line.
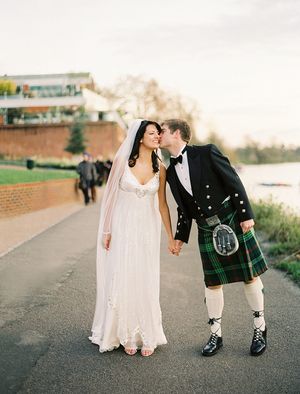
175	246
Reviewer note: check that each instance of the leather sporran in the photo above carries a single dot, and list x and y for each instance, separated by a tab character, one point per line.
225	240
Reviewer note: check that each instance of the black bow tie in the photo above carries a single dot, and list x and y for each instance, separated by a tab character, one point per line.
175	160
178	159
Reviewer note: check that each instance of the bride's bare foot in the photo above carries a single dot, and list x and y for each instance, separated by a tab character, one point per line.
129	351
146	352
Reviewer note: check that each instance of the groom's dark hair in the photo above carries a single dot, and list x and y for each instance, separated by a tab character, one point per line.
181	125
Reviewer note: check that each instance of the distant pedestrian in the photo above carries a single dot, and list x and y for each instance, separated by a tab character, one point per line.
86	171
107	168
100	168
93	183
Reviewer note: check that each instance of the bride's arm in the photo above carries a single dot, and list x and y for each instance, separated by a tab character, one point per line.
164	208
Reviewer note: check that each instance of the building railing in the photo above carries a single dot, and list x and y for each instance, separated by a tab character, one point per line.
36	94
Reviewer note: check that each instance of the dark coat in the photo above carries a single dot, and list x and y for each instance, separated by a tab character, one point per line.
87	172
212	180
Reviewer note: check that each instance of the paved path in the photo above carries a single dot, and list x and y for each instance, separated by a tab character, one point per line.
47	292
18	229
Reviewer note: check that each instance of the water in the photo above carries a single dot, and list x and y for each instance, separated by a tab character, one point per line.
288	173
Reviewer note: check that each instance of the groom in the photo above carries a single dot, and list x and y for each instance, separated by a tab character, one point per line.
206	188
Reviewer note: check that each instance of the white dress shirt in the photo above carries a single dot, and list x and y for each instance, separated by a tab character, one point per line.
183	172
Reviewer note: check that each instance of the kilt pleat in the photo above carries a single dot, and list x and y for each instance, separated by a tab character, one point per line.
242	266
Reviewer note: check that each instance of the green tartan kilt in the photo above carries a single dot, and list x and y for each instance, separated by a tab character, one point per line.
242	266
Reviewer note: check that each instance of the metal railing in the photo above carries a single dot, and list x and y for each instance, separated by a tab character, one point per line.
36	95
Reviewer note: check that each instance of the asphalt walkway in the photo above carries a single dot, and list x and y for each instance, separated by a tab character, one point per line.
16	230
47	294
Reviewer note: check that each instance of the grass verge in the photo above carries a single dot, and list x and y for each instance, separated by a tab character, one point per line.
14	176
281	228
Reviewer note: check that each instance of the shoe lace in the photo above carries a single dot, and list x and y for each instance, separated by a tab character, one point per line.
258	313
257	335
213	339
213	321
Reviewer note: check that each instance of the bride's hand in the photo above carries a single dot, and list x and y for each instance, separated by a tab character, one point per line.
106	241
172	245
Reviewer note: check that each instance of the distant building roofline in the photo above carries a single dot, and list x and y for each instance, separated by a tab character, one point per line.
39	76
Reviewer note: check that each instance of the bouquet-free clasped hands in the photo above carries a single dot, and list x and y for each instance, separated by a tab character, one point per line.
174	245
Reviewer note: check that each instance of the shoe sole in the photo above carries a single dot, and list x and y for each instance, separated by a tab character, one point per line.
212	354
258	354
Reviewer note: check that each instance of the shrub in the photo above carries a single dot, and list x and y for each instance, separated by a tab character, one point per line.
279	224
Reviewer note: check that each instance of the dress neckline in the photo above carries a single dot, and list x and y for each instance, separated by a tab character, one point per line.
141	184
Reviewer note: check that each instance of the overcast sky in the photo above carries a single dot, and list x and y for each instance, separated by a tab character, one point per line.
240	59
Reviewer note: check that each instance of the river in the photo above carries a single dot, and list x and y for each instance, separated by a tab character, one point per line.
253	176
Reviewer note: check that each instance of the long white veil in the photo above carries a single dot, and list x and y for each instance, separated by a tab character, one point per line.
112	186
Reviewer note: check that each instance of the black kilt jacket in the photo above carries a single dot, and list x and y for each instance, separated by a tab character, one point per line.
213	179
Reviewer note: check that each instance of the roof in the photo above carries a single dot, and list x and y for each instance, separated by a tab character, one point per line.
46	76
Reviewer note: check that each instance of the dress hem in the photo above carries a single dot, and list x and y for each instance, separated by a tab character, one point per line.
97	341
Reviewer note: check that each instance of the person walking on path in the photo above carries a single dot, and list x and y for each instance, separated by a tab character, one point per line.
206	188
100	169
87	173
128	250
93	183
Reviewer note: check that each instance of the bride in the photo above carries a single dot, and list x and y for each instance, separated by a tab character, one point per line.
128	255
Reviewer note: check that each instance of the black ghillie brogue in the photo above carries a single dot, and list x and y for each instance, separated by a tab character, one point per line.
214	343
259	342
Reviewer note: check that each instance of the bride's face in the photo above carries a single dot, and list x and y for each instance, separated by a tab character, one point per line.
151	137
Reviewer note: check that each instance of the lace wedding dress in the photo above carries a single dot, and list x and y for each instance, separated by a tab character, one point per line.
127	308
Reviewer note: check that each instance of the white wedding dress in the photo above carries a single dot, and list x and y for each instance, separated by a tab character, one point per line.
128	280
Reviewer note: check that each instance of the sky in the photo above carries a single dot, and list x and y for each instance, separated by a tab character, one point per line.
239	59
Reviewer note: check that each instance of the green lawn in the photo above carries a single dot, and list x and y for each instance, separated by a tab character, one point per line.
13	176
292	267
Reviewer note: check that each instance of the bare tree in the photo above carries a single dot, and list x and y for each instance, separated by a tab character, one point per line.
215	138
145	98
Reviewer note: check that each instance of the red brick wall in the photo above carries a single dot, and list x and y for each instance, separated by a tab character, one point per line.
49	141
28	197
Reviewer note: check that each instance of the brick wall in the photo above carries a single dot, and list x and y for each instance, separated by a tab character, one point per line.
48	141
27	197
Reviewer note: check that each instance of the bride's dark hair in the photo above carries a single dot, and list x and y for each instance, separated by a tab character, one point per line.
136	145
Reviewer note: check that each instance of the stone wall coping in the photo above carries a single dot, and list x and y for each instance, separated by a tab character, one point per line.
47	125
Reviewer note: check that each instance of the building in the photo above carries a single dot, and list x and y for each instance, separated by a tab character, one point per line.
53	98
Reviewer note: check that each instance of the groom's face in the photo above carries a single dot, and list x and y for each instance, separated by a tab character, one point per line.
166	137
